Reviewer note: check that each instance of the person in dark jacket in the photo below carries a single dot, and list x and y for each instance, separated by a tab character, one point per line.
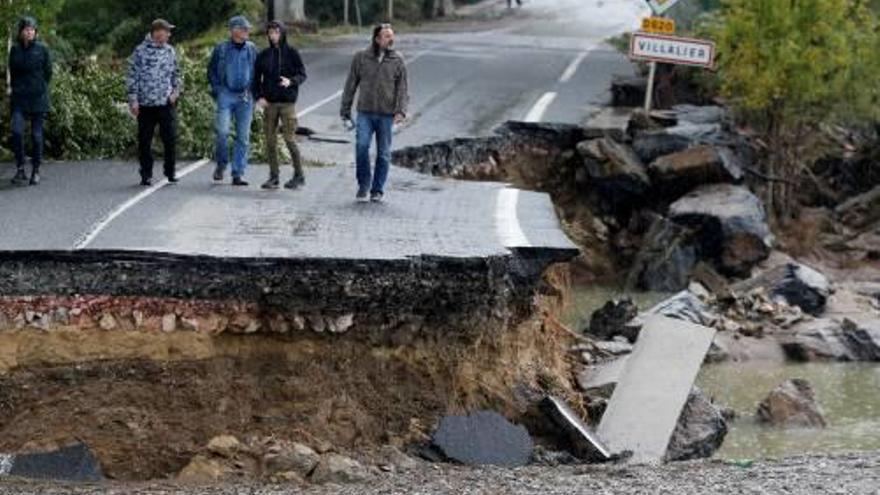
278	74
153	84
231	72
30	67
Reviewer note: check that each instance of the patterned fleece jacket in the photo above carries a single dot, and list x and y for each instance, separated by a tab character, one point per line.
153	74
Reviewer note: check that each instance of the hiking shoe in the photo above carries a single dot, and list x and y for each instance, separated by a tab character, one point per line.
146	181
20	177
238	181
35	178
218	173
376	197
272	183
296	182
361	195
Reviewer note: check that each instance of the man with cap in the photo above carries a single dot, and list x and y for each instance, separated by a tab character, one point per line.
278	75
231	74
154	85
30	69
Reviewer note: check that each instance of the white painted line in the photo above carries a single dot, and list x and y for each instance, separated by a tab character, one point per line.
537	111
572	68
507	221
99	227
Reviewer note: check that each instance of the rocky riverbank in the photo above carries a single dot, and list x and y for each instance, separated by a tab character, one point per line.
842	474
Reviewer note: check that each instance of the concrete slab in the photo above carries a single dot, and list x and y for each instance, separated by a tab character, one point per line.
654	387
586	443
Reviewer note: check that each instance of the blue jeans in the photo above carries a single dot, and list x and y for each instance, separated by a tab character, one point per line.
240	106
367	124
18	124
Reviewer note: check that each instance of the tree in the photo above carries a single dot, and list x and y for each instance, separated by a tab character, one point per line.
788	66
290	10
443	8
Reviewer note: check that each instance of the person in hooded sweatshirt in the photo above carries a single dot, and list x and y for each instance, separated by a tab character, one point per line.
30	69
154	84
278	74
231	75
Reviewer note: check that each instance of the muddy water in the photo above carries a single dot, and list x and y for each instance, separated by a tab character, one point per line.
849	393
586	299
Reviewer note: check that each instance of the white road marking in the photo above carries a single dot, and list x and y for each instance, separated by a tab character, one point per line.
537	111
507	221
99	227
572	68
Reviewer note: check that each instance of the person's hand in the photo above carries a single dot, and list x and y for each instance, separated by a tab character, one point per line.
262	103
172	99
399	118
134	108
347	123
285	82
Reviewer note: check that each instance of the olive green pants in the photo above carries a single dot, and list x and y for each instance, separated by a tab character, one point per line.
286	113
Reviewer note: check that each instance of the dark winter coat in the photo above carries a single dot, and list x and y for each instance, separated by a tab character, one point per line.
30	68
276	62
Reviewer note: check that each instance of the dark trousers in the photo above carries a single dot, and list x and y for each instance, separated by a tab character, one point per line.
18	128
148	117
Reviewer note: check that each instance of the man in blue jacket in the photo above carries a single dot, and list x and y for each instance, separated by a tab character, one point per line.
231	73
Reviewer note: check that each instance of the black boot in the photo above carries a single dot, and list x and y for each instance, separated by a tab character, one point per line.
238	181
35	176
295	183
272	183
20	177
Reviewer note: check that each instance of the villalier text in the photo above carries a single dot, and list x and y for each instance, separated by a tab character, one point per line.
682	51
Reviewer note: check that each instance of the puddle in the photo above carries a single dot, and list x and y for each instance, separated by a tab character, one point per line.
849	394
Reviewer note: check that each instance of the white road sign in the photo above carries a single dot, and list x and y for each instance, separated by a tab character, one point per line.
672	50
661	6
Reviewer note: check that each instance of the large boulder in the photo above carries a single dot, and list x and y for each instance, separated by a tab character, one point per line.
795	283
652	144
483	438
817	340
668	256
685	306
792	404
731	222
611	320
862	336
862	210
615	170
678	173
700	430
338	469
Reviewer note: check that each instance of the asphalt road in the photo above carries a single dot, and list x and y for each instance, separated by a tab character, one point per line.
544	62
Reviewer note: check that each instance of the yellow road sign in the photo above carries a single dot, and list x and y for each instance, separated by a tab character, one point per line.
658	25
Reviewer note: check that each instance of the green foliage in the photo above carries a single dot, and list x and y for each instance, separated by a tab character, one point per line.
799	62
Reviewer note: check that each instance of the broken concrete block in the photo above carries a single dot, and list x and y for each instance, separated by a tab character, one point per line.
587	444
484	437
654	387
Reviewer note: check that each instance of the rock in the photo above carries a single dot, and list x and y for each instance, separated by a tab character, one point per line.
685	306
731	223
611	320
72	463
680	172
862	210
791	404
482	438
5	322
667	258
586	444
295	457
700	430
862	337
715	283
340	324
190	324
817	340
599	381
335	468
695	114
107	322
202	469
391	457
614	348
795	283
620	177
652	144
225	446
628	91
169	322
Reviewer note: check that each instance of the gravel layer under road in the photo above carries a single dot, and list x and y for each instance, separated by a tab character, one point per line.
840	474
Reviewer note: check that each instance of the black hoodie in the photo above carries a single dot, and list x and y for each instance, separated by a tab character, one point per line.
273	63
